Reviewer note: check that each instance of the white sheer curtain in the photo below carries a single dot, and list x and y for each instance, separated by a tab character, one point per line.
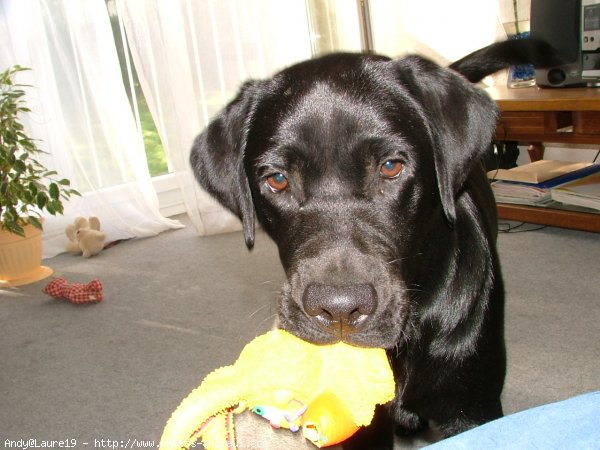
81	114
191	57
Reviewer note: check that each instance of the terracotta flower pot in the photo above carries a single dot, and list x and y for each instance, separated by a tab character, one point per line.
21	257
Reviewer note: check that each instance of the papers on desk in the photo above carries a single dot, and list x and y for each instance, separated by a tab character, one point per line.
582	192
579	187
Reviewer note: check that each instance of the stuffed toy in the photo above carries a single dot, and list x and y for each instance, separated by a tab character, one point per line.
291	383
75	292
85	236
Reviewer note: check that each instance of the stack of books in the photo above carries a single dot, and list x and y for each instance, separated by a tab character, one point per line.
549	183
584	191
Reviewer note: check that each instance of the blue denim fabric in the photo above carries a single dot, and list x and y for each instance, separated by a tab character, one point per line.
568	424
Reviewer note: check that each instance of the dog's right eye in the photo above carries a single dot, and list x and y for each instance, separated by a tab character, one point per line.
277	182
391	169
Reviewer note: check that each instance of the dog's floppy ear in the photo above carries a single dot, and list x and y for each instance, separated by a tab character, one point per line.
217	158
460	119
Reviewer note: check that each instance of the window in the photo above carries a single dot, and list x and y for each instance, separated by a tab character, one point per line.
155	153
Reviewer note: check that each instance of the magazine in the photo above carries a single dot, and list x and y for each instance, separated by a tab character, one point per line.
582	192
537	172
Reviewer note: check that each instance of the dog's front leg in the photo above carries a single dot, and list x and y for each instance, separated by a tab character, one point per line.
377	436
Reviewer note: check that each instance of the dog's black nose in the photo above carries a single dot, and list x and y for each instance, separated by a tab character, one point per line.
340	309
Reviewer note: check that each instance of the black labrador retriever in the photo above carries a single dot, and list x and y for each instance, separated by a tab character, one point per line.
367	174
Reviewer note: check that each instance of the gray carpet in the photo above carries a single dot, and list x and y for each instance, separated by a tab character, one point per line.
177	306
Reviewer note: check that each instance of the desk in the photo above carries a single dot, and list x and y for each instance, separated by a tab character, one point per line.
534	115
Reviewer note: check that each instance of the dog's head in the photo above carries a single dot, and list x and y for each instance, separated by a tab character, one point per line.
349	162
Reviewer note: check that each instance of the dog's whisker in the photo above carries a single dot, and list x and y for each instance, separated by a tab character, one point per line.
270	317
414	290
404	258
269	282
266	305
393	261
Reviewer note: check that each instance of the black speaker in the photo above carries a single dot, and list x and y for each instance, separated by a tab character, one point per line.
558	22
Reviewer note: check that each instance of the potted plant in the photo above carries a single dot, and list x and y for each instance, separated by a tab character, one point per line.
27	189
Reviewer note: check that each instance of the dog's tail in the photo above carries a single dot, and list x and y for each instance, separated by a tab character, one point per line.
501	55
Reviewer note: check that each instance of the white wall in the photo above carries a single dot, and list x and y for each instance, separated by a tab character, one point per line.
439	29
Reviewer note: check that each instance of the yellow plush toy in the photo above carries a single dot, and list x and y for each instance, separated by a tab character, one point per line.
328	391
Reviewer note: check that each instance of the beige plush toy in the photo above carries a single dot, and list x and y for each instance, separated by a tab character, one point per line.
71	232
85	236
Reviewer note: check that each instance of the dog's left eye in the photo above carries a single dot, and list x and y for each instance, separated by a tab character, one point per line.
391	169
277	182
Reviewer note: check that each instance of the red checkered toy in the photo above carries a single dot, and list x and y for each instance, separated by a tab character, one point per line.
75	292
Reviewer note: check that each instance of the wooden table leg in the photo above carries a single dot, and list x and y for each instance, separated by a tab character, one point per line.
536	151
